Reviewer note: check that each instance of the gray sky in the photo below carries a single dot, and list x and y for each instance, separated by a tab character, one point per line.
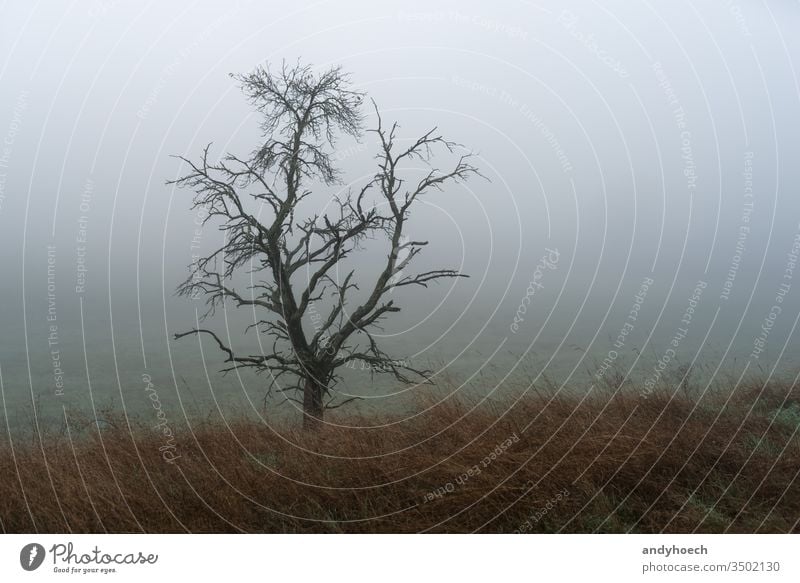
617	133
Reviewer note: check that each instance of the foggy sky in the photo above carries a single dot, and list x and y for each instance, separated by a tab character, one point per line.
617	133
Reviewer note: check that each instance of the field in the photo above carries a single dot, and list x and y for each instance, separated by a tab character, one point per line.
613	460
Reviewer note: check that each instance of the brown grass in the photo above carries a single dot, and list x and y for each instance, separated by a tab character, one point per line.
669	462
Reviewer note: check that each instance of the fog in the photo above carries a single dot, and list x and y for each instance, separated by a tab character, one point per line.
639	142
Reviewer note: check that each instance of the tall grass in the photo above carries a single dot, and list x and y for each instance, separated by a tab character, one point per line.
613	460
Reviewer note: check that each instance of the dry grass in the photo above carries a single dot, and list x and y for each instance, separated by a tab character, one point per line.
670	462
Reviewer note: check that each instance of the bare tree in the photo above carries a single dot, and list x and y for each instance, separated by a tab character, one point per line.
293	261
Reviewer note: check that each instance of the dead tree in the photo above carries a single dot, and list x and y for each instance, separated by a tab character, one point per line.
292	260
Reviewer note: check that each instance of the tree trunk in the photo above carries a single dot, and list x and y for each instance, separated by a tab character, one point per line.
312	405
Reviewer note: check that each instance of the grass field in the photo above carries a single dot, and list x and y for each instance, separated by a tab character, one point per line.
610	461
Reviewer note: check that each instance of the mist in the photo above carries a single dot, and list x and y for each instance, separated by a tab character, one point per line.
624	146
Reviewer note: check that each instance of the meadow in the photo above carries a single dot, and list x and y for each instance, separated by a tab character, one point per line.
678	459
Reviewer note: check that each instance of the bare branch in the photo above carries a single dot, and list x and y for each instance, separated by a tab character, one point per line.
304	112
